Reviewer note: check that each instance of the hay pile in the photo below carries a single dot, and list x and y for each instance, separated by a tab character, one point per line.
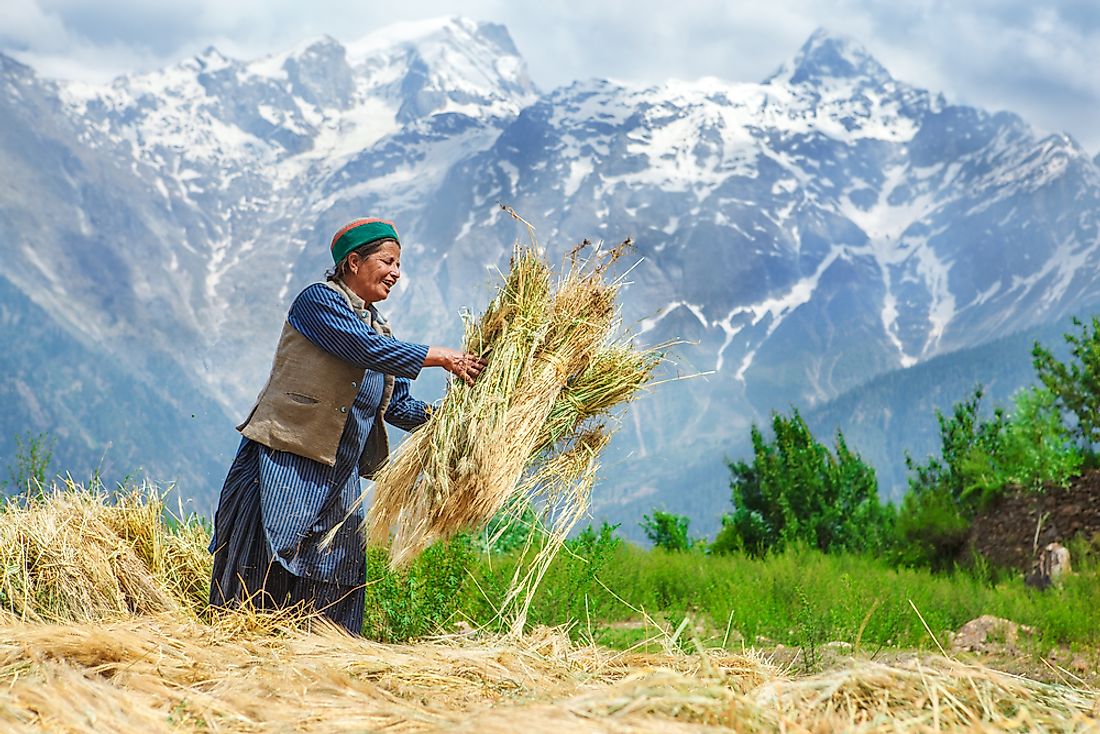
75	555
128	652
528	433
260	674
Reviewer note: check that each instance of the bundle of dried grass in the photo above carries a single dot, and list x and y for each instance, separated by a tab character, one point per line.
73	555
529	428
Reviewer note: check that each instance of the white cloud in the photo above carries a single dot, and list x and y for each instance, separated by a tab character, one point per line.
1035	58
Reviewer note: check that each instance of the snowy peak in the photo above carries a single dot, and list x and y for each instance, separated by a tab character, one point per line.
446	65
210	60
320	74
827	57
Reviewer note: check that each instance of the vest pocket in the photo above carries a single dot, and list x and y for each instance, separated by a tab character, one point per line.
298	397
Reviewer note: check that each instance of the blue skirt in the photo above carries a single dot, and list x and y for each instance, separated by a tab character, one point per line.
246	570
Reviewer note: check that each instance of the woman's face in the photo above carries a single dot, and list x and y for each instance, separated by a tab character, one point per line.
371	278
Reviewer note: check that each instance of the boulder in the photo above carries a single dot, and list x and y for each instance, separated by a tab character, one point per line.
988	632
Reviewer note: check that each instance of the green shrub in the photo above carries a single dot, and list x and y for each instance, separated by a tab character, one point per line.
509	531
931	529
1032	450
667	530
964	434
796	490
979	458
420	601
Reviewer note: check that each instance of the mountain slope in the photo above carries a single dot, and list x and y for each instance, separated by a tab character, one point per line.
99	418
796	237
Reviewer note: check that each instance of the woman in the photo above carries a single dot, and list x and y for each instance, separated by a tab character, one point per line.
316	427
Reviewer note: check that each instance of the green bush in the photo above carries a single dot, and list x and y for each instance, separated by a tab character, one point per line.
931	529
420	601
796	490
667	530
979	458
964	434
509	531
1032	450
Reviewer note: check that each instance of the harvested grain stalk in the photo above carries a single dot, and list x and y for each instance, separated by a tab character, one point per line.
531	427
73	555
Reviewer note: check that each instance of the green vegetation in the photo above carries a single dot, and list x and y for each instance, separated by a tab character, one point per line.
797	491
1076	384
809	554
667	530
29	470
619	594
979	458
421	601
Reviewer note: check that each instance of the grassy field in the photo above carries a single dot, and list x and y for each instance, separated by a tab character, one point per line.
804	597
620	595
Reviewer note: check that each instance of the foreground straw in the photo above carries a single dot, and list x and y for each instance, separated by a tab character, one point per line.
162	674
528	433
128	652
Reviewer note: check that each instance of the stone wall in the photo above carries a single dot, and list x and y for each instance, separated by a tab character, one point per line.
1004	532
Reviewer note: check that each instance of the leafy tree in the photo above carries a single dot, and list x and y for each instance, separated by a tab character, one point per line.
935	514
962	433
1034	449
1076	384
979	458
667	530
796	490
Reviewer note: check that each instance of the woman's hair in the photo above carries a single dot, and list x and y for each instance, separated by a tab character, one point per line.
341	269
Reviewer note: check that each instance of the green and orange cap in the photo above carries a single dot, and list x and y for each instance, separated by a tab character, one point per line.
359	232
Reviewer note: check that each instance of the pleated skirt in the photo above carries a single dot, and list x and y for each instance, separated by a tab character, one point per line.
245	569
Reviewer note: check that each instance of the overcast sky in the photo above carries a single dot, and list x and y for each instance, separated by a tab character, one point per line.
1040	59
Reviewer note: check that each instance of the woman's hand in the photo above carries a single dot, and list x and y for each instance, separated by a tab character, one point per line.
461	364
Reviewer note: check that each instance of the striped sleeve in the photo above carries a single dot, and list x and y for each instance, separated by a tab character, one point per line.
325	318
405	411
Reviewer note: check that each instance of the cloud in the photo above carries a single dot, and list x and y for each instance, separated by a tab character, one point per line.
1035	58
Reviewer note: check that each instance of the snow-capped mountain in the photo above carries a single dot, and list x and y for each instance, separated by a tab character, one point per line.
798	236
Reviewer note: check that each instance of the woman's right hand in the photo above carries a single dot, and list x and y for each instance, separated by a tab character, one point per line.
460	364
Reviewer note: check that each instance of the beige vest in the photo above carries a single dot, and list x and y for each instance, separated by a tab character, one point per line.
304	405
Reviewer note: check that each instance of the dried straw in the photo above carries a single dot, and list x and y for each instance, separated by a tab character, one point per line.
127	654
528	433
76	555
251	673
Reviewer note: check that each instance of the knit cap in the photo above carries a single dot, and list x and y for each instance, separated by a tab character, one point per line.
361	232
